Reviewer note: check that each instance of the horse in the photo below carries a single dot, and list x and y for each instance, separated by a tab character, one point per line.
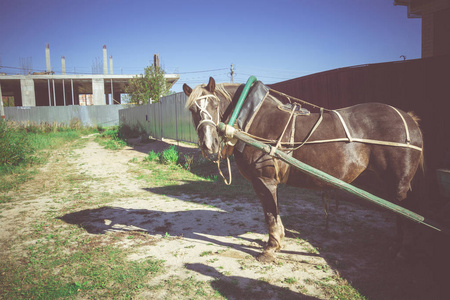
370	137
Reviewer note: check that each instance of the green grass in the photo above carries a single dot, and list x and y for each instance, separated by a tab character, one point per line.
52	260
174	174
23	147
66	263
110	139
343	290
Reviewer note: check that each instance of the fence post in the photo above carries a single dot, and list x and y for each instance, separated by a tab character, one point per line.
176	119
160	119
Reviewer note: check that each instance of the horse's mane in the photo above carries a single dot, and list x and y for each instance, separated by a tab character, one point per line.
198	91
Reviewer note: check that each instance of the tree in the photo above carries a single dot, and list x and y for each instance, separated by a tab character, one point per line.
150	86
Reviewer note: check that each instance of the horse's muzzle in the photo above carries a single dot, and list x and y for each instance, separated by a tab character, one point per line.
208	140
210	145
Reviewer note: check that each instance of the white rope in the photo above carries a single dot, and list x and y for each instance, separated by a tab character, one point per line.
203	104
347	132
408	139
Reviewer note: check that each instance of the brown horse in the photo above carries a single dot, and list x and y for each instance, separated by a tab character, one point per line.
344	144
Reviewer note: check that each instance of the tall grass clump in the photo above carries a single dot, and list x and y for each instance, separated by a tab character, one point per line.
15	146
153	156
110	139
170	155
21	147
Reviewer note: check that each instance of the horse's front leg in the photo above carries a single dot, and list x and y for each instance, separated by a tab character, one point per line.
266	189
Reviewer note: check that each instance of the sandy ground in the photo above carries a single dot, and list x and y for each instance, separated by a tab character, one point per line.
209	239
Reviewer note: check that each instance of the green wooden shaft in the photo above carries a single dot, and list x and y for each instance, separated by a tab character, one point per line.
333	181
244	93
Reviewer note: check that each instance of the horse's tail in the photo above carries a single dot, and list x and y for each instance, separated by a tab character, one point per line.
418	194
416	120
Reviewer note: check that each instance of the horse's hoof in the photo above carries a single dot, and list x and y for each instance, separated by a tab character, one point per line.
266	257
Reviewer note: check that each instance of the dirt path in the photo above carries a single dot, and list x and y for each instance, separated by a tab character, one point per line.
215	241
202	240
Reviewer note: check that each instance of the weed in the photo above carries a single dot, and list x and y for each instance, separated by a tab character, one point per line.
324	268
205	253
170	155
290	280
110	139
188	161
152	156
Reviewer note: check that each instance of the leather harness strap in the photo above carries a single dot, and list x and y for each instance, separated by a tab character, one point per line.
370	141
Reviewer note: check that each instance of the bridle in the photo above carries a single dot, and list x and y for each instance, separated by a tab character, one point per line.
205	116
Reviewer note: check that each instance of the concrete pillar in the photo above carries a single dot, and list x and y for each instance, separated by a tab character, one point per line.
49	93
47	57
63	65
98	91
110	65
105	61
71	88
111	102
28	95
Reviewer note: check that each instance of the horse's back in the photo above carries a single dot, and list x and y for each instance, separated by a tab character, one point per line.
381	122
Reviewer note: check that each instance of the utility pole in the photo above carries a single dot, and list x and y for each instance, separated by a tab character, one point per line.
231	73
156	60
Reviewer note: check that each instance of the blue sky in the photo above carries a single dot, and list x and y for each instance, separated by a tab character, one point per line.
273	40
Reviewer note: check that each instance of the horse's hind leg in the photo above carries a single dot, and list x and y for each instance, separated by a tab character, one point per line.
404	197
266	189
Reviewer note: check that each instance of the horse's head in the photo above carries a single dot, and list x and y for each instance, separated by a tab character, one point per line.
205	108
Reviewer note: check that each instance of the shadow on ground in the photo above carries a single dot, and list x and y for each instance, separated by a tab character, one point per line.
355	250
227	286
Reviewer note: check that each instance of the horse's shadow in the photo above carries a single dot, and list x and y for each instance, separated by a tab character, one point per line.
207	226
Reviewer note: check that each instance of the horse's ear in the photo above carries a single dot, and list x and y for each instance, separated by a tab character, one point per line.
211	87
187	89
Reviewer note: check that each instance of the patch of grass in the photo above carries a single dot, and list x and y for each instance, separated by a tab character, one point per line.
342	290
22	147
290	280
189	177
62	264
205	253
170	155
188	288
152	156
110	139
15	146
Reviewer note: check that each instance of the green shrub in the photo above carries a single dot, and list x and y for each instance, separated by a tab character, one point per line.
170	155
152	156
